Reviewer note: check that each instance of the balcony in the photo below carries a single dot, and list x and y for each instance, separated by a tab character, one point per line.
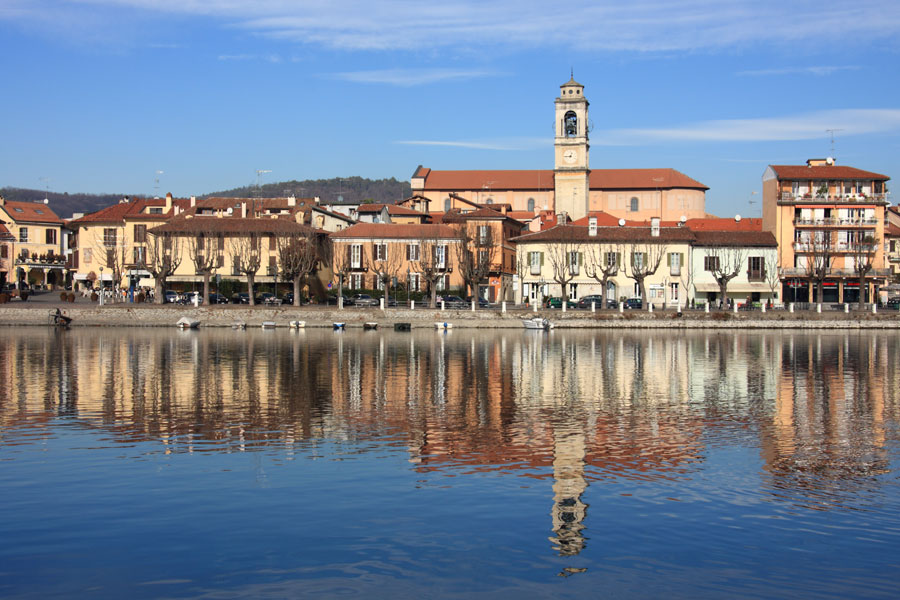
833	222
843	273
812	247
33	259
792	198
756	275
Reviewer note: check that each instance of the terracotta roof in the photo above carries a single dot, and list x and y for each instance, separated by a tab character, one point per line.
543	180
396	231
195	224
604	219
824	172
717	224
751	239
891	230
117	212
30	212
393	209
457	216
577	233
5	235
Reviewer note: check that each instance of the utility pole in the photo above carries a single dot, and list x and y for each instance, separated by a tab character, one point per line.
831	131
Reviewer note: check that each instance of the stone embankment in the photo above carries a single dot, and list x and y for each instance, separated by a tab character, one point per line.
132	315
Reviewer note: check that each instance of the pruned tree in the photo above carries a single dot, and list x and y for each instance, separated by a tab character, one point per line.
246	256
727	263
346	259
773	274
204	252
432	263
111	251
522	268
820	260
863	250
475	252
643	263
602	262
163	259
298	255
385	261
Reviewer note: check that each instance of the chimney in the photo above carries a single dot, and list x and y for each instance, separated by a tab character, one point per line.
317	199
592	226
292	201
193	201
654	227
243	210
168	202
561	218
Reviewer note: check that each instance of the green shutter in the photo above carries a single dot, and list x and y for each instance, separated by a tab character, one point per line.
580	259
542	259
669	259
681	259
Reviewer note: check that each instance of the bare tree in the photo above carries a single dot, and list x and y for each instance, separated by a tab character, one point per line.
727	263
432	263
111	251
602	264
298	255
204	251
522	269
385	262
773	275
687	281
163	259
644	262
475	254
820	260
348	258
863	251
246	256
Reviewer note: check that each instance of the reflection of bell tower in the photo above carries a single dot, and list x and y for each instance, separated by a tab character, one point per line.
571	147
568	486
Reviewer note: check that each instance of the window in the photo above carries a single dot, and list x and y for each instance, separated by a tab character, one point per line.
443	283
638	259
710	263
412	252
155	210
356	281
612	259
673	292
634	204
447	204
109	238
23	235
356	256
536	260
592	226
675	261
756	268
570	124
531	205
574	262
380	252
440	256
140	234
482	234
4	251
50	236
490	200
138	255
414	282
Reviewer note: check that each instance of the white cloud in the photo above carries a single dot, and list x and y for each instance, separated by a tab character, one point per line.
793	127
410	77
640	25
820	71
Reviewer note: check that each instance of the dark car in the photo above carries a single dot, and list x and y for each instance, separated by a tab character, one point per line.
454	302
634	303
585	301
556	302
363	300
269	298
217	299
244	298
333	300
482	303
172	297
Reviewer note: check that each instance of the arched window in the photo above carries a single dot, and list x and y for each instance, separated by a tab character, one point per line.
446	204
570	124
634	204
531	205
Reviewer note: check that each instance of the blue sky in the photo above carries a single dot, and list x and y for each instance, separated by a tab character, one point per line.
98	95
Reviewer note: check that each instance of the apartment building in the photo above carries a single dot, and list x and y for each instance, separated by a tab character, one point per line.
35	255
828	221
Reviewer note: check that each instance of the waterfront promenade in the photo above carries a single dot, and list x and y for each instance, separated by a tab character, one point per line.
36	313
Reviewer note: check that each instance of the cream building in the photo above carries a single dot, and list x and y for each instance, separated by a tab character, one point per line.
35	255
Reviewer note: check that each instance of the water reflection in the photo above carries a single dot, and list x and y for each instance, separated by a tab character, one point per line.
572	409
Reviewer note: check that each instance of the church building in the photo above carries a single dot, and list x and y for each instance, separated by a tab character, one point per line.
572	187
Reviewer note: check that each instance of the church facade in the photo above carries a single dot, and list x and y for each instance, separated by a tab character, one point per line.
571	187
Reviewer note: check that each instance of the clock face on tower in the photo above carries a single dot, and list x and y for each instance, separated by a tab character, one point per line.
570	156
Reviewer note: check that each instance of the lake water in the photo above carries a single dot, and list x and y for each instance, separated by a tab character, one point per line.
141	463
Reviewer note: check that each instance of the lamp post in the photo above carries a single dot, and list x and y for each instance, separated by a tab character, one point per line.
408	283
101	286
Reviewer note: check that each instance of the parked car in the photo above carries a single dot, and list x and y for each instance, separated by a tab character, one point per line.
217	299
172	296
454	302
243	298
556	302
482	303
363	300
333	300
269	298
585	301
634	303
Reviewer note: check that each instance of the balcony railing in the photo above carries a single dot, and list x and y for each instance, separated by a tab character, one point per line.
35	260
812	247
835	222
756	275
845	273
840	198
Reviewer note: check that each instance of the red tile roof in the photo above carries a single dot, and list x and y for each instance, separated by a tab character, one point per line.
30	212
393	209
543	179
892	230
716	224
744	239
580	234
396	231
824	172
193	224
5	235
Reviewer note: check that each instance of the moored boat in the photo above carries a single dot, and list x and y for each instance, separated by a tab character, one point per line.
187	323
537	323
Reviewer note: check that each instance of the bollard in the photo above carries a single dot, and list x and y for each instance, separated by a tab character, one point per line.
818	307
846	308
564	304
649	307
621	307
791	307
473	306
534	305
442	305
412	305
503	306
381	302
874	308
735	306
706	308
340	303
593	307
764	307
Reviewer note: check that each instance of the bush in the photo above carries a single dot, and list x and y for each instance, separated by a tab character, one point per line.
94	296
70	297
63	296
4	298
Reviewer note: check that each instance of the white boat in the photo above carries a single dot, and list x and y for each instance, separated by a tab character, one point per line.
370	325
537	323
268	324
298	324
443	325
338	326
239	325
187	323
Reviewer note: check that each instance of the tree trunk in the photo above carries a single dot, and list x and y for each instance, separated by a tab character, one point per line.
862	293
723	291
158	296
297	290
643	293
433	294
820	291
205	298
251	300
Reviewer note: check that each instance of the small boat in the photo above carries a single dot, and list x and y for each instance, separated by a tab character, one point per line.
268	324
537	323
297	324
443	325
338	326
402	326
187	323
239	325
370	326
58	318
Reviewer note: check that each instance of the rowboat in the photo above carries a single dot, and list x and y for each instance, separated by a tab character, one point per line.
537	323
187	323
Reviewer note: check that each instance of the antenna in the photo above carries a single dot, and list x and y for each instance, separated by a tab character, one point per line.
46	181
751	201
831	131
259	174
156	184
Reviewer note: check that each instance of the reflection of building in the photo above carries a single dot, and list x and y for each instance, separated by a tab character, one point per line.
569	510
826	218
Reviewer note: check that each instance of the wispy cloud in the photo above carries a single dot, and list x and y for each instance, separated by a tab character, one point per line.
516	144
272	58
640	25
820	71
411	77
793	127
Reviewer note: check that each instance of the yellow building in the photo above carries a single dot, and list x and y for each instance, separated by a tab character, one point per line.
35	256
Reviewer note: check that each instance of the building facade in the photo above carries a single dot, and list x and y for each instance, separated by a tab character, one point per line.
36	254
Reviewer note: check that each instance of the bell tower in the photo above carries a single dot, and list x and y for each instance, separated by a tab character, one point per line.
571	166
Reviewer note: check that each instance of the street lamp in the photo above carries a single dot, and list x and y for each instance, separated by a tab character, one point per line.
101	286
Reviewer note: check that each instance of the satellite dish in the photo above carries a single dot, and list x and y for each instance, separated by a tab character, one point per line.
621	222
737	218
46	201
829	160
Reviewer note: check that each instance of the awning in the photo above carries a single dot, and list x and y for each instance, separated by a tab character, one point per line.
80	276
739	287
147	282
